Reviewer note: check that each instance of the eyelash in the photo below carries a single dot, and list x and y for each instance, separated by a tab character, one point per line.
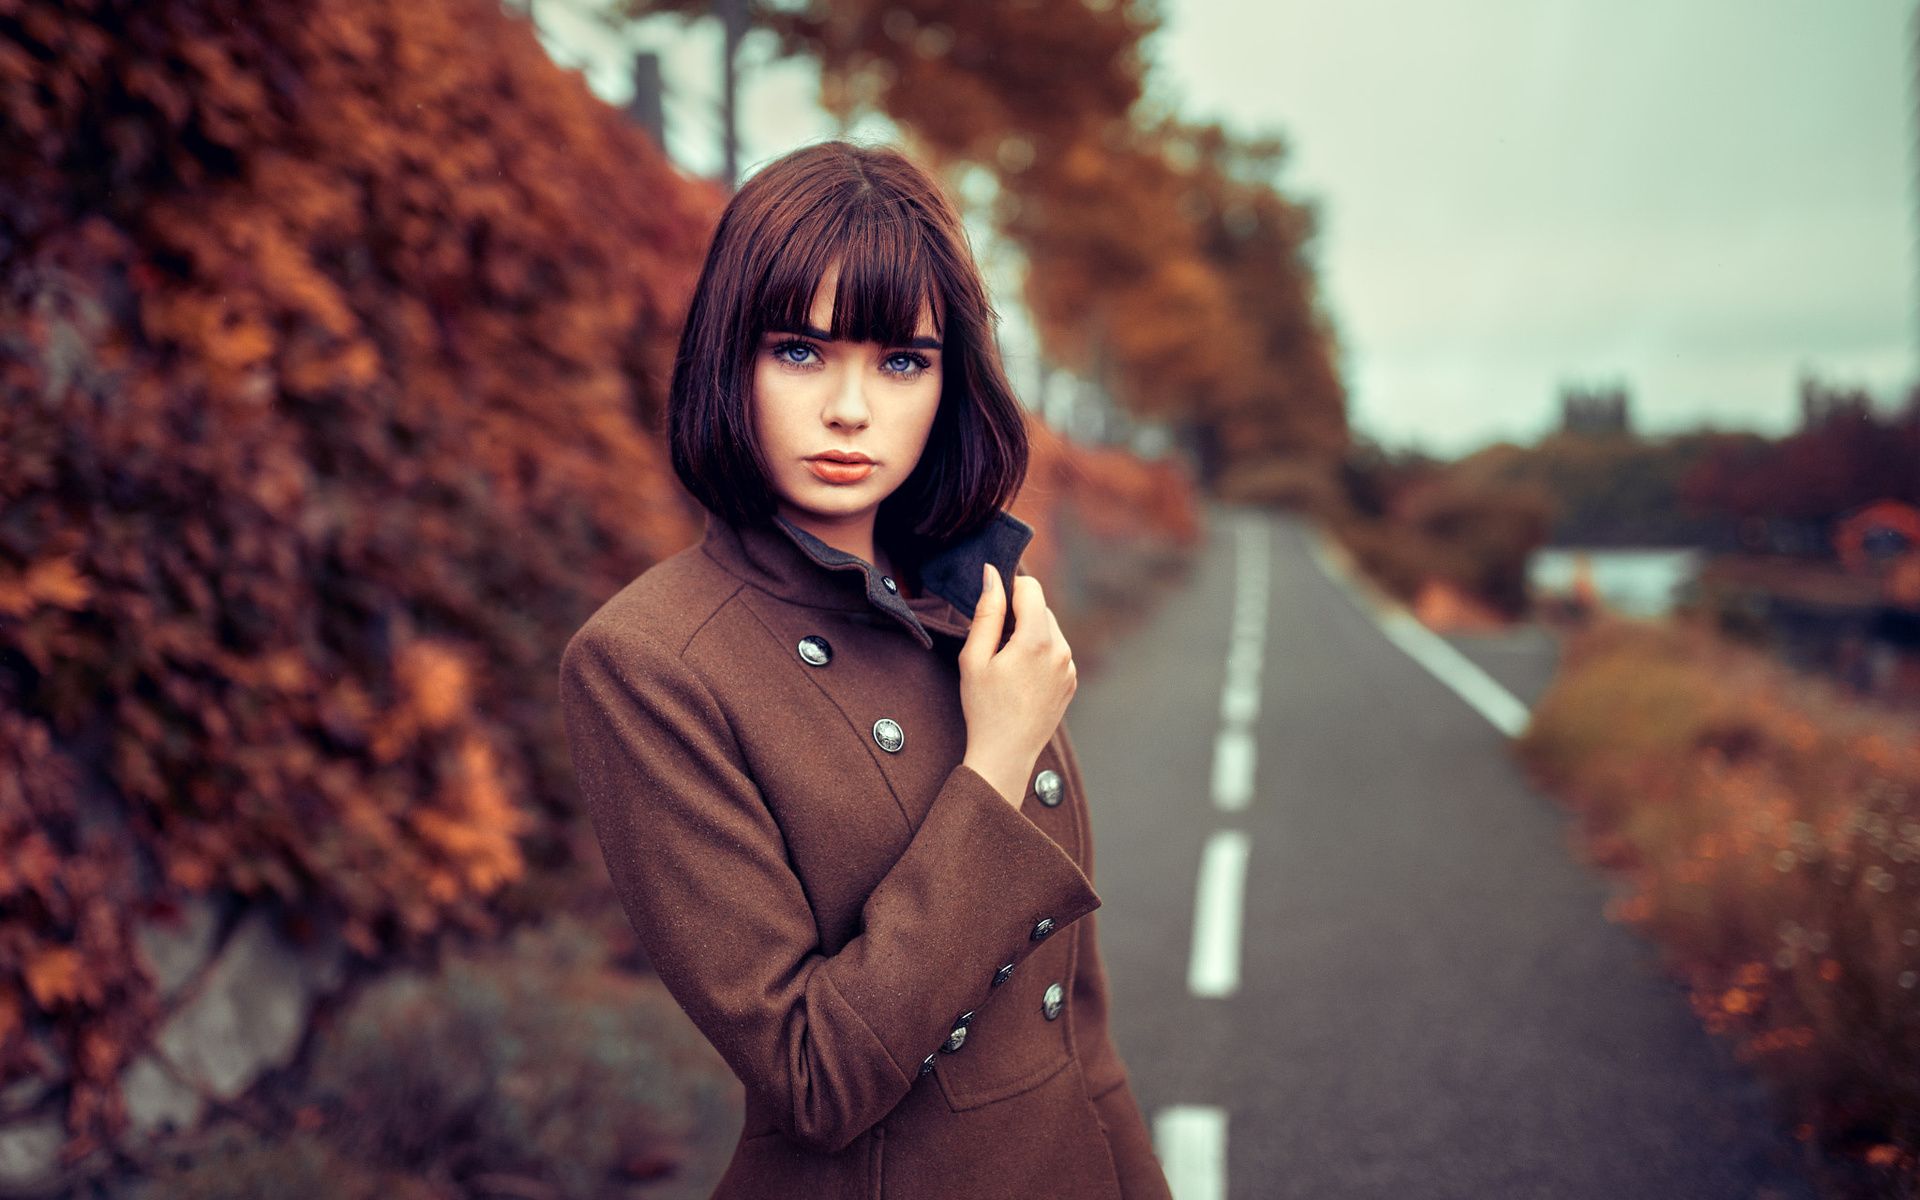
784	351
920	362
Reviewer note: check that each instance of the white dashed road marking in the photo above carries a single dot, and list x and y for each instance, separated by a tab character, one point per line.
1234	755
1233	758
1191	1141
1214	970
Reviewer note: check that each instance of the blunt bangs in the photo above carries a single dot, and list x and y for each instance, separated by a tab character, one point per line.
886	274
901	252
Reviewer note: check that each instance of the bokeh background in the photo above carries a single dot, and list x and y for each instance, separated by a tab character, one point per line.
333	345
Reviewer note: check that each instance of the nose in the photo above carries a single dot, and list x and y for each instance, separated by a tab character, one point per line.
846	401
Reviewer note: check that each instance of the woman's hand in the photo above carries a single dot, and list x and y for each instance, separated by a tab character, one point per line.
1013	696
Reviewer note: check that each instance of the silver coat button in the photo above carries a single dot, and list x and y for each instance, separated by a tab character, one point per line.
888	735
1042	928
926	1064
1002	975
955	1040
1048	787
815	651
1053	1001
886	581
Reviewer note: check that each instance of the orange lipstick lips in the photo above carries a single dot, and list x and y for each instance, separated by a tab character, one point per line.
840	467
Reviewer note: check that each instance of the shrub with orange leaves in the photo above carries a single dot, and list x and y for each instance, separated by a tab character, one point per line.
330	337
1415	525
1766	833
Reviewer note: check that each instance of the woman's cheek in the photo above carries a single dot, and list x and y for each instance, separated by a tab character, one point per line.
776	400
928	409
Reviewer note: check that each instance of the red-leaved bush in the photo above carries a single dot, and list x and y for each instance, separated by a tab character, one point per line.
331	332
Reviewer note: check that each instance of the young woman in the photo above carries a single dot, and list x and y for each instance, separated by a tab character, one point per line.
832	791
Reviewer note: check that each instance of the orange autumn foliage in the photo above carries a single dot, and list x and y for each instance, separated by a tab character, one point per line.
331	338
1766	833
1108	494
1451	540
1164	262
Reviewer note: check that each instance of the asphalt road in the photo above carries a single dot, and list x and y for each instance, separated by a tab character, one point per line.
1430	1002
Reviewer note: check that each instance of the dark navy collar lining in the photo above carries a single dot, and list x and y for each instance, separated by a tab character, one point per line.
954	574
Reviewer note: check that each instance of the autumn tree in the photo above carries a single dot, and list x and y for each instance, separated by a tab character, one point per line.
331	333
1163	260
1614	491
1846	455
1282	395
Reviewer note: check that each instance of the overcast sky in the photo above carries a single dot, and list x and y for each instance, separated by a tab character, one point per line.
1699	198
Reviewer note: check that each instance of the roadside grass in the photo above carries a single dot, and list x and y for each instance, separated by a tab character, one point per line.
1765	832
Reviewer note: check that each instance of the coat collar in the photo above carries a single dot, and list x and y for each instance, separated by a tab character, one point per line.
787	561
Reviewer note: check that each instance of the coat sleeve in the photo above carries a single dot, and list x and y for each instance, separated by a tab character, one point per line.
829	1045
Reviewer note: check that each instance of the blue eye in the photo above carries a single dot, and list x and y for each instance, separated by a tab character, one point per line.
907	364
794	353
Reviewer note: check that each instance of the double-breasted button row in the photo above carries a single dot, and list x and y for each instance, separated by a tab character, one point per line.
1048	787
816	651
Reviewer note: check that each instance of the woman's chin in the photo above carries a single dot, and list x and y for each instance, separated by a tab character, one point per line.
836	502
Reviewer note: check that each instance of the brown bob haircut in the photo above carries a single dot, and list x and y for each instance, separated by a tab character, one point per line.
900	249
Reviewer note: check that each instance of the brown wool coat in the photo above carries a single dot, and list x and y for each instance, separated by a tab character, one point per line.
826	910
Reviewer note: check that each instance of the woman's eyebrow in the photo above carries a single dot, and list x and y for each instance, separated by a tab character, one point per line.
821	335
805	331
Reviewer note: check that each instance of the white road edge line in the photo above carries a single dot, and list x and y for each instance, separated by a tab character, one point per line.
1457	671
1218	903
1502	709
1191	1142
